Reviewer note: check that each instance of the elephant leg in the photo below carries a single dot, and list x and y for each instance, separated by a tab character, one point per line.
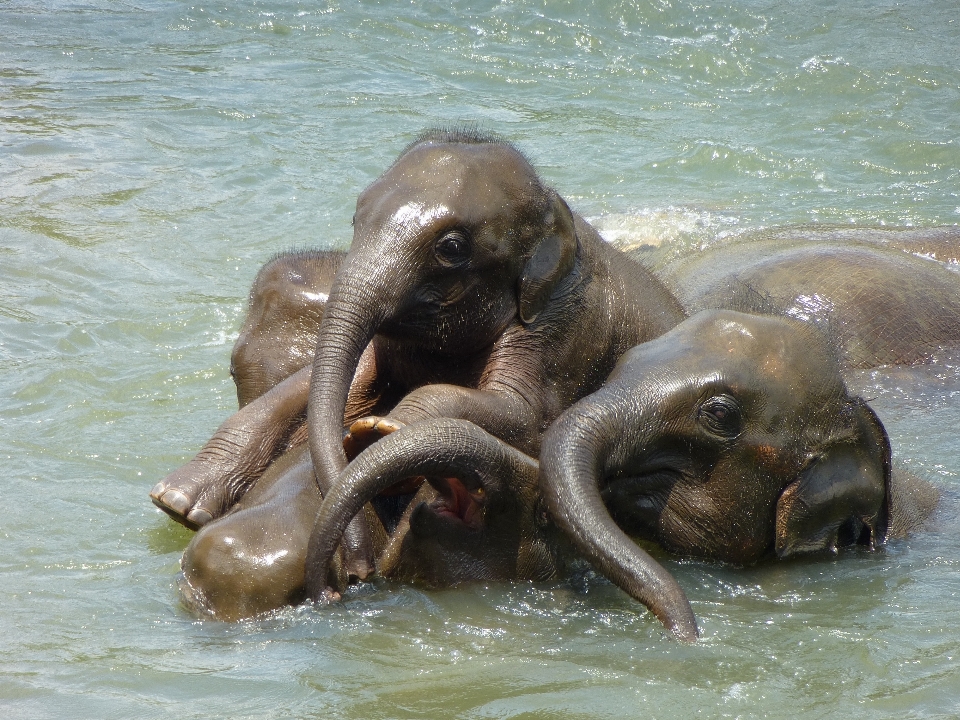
242	448
237	454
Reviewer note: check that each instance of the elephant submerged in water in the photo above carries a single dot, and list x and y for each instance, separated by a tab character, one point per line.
731	437
879	305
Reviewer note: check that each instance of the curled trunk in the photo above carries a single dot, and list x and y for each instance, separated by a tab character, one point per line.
574	457
439	448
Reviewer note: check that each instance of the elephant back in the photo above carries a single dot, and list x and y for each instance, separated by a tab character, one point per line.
877	305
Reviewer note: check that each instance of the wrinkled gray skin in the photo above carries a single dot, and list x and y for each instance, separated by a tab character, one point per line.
488	525
476	289
270	366
731	437
878	303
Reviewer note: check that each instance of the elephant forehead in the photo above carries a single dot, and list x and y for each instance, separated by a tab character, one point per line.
798	370
418	213
777	350
441	181
744	358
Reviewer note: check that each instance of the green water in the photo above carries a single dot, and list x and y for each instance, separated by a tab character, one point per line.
154	154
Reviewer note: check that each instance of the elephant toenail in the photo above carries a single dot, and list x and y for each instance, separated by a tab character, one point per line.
199	517
176	501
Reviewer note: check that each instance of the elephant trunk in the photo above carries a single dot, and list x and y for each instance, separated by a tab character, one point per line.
351	317
574	455
437	448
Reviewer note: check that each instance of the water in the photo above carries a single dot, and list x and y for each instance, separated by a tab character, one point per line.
154	154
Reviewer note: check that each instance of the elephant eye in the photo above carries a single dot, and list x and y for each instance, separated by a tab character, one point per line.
453	248
721	415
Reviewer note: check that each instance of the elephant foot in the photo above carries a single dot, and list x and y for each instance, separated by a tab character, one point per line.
197	493
364	433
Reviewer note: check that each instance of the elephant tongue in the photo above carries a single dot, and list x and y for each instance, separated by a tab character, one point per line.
455	500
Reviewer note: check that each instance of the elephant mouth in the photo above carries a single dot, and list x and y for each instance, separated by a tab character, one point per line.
456	503
636	502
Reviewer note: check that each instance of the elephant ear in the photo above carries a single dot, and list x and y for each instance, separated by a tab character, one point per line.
552	260
842	498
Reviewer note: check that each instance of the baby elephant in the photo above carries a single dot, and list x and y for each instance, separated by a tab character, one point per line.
477	518
731	437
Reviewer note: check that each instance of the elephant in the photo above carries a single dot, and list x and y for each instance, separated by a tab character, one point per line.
877	304
731	437
270	368
279	332
475	288
489	525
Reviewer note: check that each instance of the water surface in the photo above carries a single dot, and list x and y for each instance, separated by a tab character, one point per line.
154	154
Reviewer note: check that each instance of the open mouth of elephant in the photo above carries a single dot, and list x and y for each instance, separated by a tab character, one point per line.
456	503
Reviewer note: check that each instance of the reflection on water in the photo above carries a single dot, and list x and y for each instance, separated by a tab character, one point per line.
153	155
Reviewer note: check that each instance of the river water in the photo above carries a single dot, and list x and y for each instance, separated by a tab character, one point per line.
154	154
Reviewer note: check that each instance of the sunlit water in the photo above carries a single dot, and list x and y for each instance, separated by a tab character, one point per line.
154	154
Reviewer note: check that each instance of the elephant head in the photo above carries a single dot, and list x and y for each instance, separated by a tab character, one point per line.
484	522
279	333
454	242
731	437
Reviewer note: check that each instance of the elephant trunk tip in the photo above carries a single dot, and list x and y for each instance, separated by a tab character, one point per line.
685	630
358	567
